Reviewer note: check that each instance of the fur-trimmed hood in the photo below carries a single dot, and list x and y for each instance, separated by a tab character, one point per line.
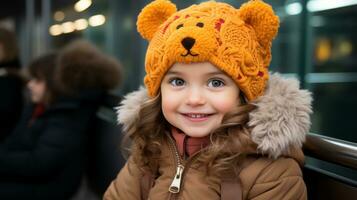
280	121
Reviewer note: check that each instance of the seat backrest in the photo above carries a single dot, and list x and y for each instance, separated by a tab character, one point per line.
324	185
330	170
104	158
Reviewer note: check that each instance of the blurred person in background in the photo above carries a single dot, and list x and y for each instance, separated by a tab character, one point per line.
11	83
44	157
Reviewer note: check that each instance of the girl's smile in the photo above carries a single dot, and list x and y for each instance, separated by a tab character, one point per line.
196	96
197	117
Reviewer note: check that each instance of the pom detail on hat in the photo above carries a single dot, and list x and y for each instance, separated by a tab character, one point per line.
152	16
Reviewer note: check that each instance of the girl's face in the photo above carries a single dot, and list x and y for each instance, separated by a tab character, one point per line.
37	90
196	96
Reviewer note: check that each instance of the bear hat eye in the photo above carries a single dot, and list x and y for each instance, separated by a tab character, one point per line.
179	26
200	24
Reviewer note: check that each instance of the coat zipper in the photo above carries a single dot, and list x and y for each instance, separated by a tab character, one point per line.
176	182
175	186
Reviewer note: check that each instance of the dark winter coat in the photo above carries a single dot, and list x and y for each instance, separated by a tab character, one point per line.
11	101
44	159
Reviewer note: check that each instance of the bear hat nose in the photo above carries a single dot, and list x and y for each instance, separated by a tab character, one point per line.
188	43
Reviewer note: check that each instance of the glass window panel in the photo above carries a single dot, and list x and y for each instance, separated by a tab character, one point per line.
335	44
335	110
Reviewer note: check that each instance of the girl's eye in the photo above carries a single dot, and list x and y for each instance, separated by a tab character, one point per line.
215	83
177	82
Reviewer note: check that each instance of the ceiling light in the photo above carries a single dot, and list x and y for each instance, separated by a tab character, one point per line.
81	24
58	16
55	30
68	27
81	5
96	20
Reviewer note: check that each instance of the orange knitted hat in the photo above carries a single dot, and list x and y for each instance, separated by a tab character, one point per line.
237	41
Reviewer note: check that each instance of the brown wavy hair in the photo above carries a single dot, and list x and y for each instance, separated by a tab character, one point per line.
43	68
230	143
144	136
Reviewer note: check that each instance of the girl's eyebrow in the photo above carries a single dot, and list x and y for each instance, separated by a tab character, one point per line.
173	73
207	74
215	73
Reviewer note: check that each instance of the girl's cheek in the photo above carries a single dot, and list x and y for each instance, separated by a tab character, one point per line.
165	105
226	102
226	105
168	101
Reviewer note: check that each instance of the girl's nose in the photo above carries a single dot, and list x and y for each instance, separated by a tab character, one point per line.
195	97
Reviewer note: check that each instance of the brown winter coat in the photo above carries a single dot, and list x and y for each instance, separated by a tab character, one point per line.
264	178
280	123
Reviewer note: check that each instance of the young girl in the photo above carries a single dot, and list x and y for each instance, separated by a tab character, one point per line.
213	125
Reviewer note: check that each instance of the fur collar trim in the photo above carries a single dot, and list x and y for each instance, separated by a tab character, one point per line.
281	120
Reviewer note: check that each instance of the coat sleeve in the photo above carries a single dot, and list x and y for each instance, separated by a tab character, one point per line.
126	185
281	180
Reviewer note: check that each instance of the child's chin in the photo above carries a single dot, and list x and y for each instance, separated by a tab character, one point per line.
196	132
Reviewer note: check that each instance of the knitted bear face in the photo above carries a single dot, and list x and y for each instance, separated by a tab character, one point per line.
237	41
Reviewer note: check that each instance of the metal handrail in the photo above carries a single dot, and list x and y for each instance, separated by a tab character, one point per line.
331	149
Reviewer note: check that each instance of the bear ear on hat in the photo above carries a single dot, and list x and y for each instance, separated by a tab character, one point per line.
261	17
152	16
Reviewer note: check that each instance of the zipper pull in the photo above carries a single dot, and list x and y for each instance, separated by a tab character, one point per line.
175	185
